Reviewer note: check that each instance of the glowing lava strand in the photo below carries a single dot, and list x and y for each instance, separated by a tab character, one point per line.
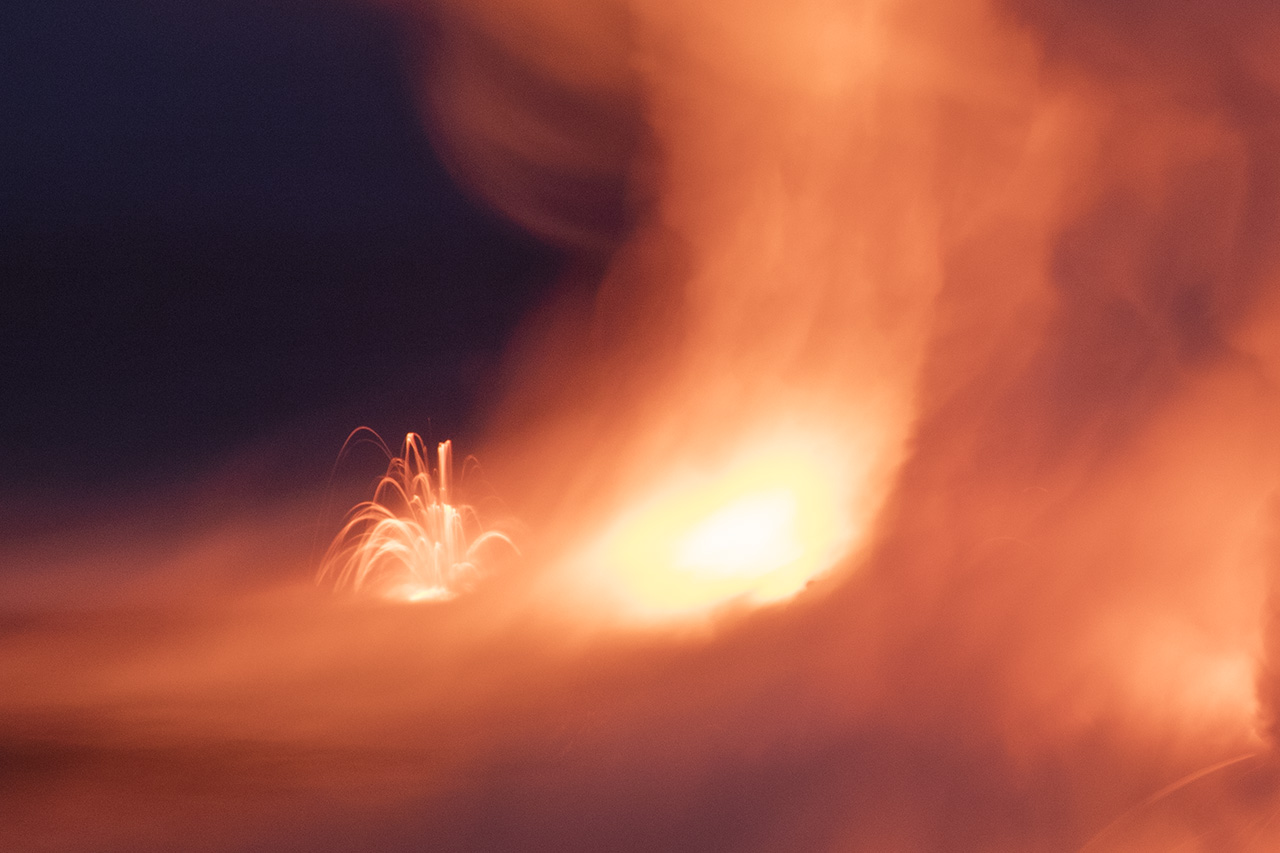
410	542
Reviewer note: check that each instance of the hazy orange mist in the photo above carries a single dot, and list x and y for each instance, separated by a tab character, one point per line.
1005	270
1021	249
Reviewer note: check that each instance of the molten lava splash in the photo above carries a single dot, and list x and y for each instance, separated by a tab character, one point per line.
410	541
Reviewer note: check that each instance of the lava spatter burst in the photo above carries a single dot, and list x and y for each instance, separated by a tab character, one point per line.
411	542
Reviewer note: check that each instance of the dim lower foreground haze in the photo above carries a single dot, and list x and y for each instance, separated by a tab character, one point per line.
894	470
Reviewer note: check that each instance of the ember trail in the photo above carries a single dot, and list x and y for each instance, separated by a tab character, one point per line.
410	541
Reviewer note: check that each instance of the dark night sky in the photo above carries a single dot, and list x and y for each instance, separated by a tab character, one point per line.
221	221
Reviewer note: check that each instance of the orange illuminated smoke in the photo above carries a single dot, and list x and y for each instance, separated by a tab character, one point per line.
411	542
755	531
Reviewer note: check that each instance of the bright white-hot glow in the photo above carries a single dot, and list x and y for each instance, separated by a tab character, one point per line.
750	537
756	531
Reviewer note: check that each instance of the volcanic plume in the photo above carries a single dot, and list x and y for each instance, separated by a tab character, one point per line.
970	306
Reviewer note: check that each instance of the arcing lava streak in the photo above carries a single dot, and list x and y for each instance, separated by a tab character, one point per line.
1007	270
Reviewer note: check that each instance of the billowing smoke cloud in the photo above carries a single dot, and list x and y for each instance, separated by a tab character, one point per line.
1017	261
